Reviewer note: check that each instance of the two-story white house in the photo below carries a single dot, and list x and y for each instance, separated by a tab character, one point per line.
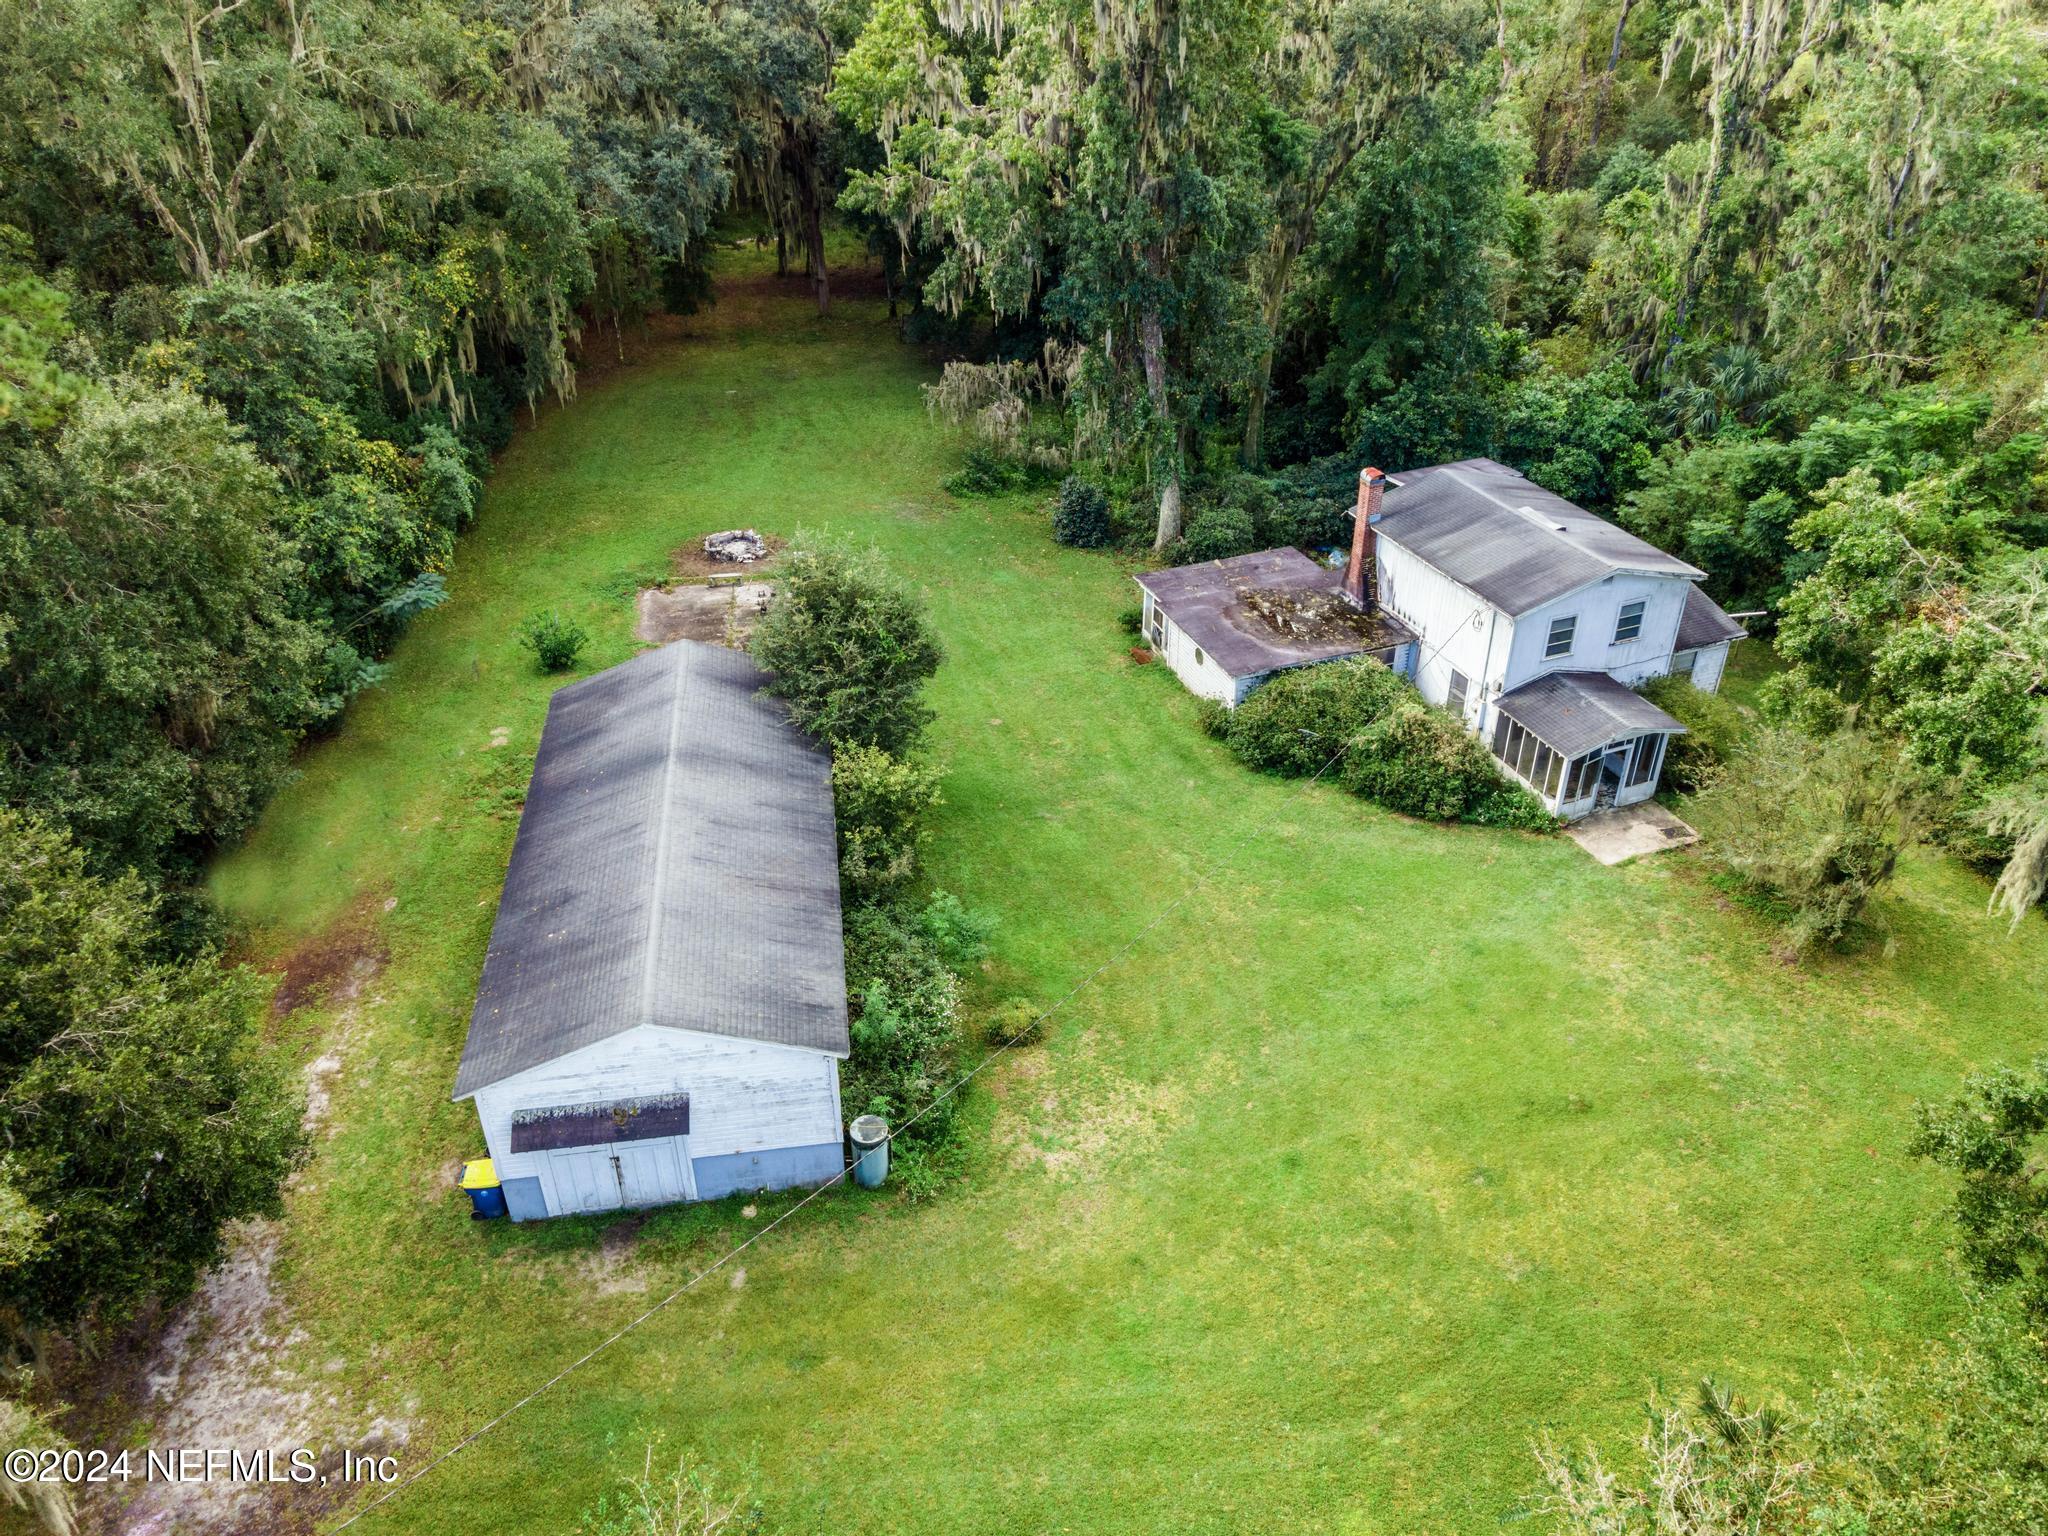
1534	620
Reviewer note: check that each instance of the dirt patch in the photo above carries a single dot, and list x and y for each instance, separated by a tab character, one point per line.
691	564
218	1377
334	967
608	1270
720	615
218	1371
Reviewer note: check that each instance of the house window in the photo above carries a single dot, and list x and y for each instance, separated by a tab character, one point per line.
1644	768
1682	663
1158	627
1454	701
1561	633
1629	625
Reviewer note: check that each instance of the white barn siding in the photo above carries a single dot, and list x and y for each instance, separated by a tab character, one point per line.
756	1109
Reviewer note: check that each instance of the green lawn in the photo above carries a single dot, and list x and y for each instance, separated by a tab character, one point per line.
1394	1147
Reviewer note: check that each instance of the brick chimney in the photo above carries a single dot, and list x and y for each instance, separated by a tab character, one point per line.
1358	572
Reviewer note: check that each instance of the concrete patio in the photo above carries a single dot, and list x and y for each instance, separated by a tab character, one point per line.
1616	836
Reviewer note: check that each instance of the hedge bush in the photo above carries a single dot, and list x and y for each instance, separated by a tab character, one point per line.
881	803
851	648
1081	518
1296	722
905	1006
1714	728
1404	755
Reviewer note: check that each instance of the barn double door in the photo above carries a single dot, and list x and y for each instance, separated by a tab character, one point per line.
626	1173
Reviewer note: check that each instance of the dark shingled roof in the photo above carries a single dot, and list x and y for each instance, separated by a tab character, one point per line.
1703	623
1575	712
1495	531
1207	601
677	864
598	1125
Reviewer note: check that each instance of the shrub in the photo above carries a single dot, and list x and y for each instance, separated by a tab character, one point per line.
850	648
1217	533
1295	723
555	641
1991	1134
1420	762
958	932
1404	755
1081	518
986	470
880	802
1018	1022
1714	728
1213	716
1813	826
1132	619
905	1006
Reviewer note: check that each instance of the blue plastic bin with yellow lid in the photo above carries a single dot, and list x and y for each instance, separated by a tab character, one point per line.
486	1194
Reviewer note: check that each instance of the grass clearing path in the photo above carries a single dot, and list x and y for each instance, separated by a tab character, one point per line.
1396	1146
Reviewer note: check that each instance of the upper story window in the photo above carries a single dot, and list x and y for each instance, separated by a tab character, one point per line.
1630	624
1562	632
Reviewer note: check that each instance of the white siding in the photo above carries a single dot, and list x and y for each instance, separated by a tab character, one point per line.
1597	609
1458	629
1191	664
745	1096
1709	662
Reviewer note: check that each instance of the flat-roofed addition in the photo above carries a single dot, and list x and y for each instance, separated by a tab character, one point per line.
1268	611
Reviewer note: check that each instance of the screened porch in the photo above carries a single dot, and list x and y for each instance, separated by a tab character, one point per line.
1580	741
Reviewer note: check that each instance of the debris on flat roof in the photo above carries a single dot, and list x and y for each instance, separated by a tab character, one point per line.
1269	610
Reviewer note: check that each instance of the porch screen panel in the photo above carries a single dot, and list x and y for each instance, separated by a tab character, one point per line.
1540	769
1556	772
1501	726
1526	756
1644	764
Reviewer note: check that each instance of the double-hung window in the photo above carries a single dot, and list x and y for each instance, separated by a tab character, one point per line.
1454	701
1562	632
1630	624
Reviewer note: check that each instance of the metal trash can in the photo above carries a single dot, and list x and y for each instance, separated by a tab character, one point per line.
486	1195
870	1135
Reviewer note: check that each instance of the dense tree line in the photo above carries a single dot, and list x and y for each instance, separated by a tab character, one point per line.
275	276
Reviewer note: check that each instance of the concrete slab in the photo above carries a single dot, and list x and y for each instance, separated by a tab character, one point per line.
1615	837
702	612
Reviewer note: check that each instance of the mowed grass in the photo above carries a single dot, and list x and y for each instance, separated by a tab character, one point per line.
1391	1148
